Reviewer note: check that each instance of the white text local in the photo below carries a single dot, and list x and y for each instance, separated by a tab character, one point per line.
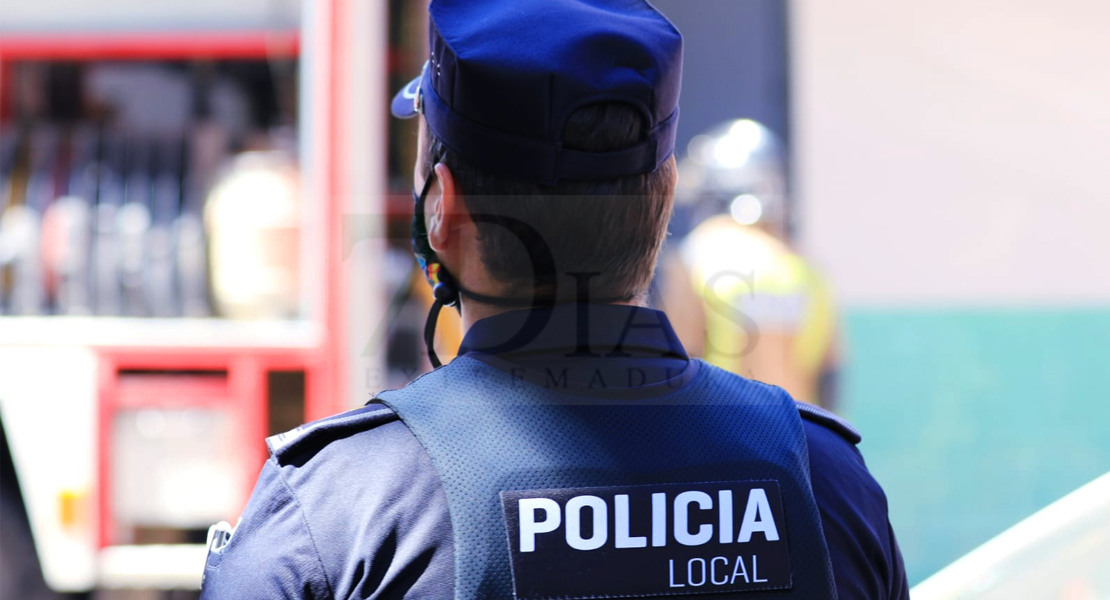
718	570
543	515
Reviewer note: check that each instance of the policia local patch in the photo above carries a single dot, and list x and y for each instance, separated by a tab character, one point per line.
654	540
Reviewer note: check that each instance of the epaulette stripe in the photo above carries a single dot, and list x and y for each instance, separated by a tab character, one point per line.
281	442
828	418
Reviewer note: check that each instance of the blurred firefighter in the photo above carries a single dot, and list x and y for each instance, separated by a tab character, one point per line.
738	295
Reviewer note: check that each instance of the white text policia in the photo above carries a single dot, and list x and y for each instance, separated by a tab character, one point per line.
540	516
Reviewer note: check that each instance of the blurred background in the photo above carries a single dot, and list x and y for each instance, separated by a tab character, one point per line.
204	214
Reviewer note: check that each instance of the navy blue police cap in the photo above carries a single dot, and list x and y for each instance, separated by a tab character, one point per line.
504	75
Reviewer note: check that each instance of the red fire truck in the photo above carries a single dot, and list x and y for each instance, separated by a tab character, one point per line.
131	431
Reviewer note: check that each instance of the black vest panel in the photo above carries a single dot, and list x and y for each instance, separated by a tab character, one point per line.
558	494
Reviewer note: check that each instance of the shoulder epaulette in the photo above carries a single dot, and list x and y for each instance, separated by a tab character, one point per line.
828	419
324	430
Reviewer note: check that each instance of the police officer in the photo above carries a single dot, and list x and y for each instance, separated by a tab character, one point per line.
572	449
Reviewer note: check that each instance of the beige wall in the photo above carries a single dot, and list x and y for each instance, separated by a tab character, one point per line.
955	151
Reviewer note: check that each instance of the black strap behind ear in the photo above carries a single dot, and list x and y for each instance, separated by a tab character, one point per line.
446	294
430	334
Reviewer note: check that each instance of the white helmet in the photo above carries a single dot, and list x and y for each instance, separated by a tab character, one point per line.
736	167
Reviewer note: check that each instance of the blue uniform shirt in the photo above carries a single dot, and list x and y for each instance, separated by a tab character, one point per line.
351	506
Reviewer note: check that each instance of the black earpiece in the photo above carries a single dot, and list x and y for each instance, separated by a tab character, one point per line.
446	293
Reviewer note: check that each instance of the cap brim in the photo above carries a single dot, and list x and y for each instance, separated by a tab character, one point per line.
404	103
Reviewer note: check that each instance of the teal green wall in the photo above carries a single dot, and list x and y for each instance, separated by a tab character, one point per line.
974	419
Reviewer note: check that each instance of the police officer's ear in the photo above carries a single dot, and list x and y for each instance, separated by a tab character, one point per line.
444	211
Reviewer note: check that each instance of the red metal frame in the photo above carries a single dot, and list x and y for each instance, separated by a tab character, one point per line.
244	393
330	63
150	46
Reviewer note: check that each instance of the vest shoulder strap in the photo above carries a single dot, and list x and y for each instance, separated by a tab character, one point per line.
827	419
320	433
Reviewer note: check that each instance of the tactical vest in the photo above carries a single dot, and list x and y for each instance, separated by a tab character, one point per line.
555	493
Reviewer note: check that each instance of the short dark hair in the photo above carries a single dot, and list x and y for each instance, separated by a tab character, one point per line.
613	228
